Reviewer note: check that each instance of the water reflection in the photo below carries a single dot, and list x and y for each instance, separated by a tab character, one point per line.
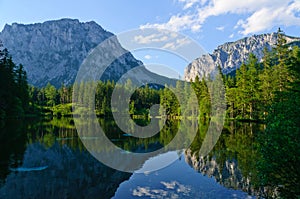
12	146
47	158
69	171
178	180
232	162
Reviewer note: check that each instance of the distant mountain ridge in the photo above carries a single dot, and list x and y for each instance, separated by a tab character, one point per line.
52	51
231	55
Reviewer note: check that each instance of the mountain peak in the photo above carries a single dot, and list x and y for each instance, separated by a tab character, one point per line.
67	22
231	55
52	51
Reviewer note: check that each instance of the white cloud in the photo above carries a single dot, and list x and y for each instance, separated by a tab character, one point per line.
173	45
141	39
147	57
231	36
260	15
196	28
220	28
162	39
176	23
267	18
171	190
188	3
169	185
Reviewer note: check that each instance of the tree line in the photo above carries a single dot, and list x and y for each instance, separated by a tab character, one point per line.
249	92
257	85
266	90
13	87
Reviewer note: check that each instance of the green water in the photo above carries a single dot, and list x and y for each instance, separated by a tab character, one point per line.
46	159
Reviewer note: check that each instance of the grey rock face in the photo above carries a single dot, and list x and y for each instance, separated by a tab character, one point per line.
53	51
228	175
230	56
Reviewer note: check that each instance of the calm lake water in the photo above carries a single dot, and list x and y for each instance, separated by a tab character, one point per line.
46	159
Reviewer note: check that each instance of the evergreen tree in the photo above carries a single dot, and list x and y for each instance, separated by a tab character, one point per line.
247	88
241	83
281	69
22	87
280	142
14	98
267	82
50	93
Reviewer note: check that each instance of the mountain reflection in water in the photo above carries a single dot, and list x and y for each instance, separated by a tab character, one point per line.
69	171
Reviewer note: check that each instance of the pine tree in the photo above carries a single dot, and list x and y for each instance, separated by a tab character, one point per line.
248	88
281	56
50	93
267	82
241	83
280	142
14	98
230	86
22	86
253	86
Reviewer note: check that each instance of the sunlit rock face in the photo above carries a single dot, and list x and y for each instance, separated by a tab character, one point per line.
231	55
54	50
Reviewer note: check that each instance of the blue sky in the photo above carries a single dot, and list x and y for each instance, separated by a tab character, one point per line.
208	22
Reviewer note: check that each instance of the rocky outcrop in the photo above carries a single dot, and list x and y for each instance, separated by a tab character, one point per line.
230	56
228	175
54	50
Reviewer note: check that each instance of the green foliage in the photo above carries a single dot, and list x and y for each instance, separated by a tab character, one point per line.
49	139
50	93
14	98
268	91
204	99
280	142
247	93
169	102
62	110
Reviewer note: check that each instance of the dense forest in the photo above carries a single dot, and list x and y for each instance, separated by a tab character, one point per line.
14	95
265	91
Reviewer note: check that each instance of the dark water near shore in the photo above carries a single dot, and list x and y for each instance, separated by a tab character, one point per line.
46	159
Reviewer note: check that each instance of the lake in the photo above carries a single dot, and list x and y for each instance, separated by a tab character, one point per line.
46	159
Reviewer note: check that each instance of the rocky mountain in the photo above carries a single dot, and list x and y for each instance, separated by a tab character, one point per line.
61	172
54	50
227	173
231	55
